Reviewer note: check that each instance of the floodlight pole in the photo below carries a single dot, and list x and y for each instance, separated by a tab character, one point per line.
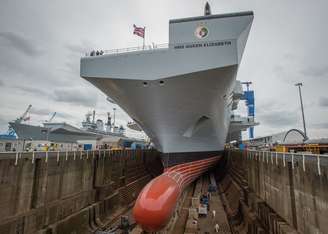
301	100
114	109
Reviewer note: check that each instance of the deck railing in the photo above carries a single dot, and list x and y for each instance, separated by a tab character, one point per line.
128	50
285	157
162	46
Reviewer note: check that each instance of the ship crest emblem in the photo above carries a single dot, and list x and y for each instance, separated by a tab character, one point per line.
201	32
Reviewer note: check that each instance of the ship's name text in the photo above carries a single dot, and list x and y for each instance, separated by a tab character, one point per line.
205	44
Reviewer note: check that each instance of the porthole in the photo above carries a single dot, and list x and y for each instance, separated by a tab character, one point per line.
145	84
161	82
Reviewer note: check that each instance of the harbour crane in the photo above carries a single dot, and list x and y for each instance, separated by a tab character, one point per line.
52	117
250	103
23	116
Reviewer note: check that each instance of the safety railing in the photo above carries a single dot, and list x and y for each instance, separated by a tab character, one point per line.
128	50
66	155
195	44
293	158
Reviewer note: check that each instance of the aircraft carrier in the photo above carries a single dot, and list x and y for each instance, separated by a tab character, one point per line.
181	96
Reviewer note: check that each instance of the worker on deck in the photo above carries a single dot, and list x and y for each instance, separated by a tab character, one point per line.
217	227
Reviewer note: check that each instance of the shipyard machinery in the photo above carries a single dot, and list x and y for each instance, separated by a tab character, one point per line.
24	117
250	103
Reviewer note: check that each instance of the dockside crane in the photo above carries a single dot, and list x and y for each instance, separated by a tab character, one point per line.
52	117
250	103
23	116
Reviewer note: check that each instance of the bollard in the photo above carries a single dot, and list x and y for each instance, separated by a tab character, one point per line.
74	157
284	159
46	156
276	158
16	159
303	162
66	156
271	157
318	163
80	154
293	161
57	156
262	156
33	157
87	154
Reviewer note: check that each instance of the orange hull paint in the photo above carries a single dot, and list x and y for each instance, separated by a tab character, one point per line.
157	201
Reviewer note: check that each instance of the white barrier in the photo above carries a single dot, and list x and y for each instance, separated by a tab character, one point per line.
263	156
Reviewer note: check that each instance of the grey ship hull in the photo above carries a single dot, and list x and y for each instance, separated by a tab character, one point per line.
30	132
180	96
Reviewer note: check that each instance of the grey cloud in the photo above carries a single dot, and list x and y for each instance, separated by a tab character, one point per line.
75	96
320	126
64	115
75	48
268	105
48	112
21	43
73	67
84	46
323	101
316	71
278	119
76	51
289	56
2	83
3	123
40	111
3	120
71	96
33	90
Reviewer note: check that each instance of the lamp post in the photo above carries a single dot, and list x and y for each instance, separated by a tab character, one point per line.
300	93
114	109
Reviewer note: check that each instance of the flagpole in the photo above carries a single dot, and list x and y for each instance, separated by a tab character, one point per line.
144	37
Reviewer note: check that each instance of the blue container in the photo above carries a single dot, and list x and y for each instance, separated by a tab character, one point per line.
87	146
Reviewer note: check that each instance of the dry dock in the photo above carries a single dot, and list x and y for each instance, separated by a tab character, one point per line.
89	191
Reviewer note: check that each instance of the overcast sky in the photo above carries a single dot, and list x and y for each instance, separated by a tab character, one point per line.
41	43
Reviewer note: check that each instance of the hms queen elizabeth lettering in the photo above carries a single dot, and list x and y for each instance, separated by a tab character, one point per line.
204	44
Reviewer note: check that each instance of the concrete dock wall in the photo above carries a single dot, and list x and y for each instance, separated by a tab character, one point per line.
73	192
294	186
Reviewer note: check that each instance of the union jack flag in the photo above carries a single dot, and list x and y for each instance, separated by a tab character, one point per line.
139	31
